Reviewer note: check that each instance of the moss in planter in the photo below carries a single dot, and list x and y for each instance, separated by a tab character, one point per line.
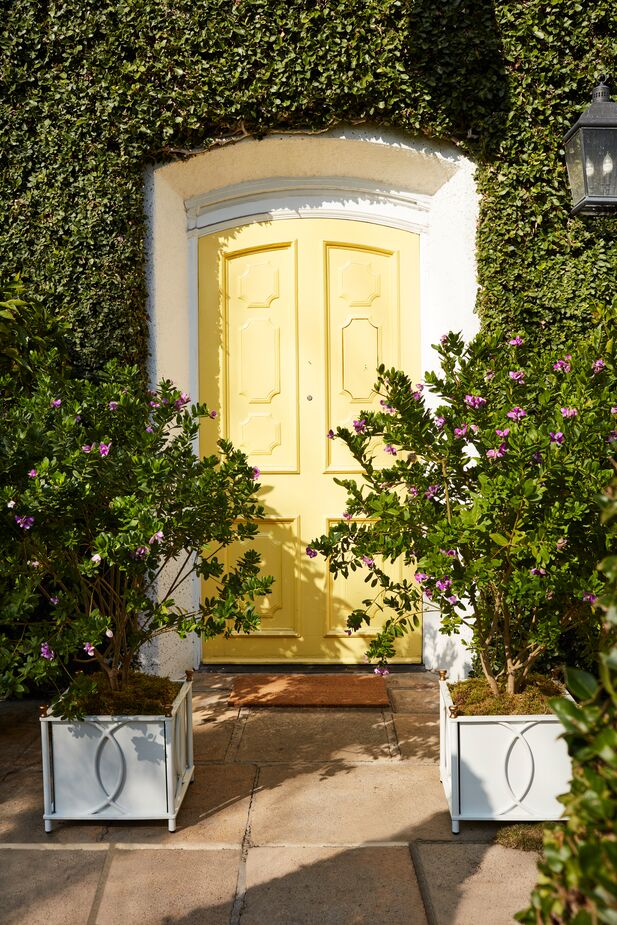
524	836
144	694
473	698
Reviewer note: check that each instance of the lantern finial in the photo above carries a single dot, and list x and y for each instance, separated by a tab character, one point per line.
600	94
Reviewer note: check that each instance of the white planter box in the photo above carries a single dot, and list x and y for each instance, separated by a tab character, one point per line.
502	768
105	768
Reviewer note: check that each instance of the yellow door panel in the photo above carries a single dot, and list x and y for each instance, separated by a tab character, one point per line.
294	318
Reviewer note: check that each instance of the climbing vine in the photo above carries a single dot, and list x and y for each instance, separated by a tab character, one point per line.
94	91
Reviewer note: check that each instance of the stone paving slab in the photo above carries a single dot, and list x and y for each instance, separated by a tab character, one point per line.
21	814
393	801
212	680
326	886
470	884
416	680
408	700
287	734
163	887
418	737
212	731
48	887
214	811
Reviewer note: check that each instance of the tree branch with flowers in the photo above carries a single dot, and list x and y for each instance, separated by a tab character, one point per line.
490	501
108	512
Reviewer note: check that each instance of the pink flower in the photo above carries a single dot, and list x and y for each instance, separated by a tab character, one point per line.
255	473
347	515
614	409
556	437
56	403
104	448
213	414
89	648
390	449
155	404
562	365
330	435
612	437
475	401
537	571
498	453
368	561
517	375
569	412
381	671
589	597
32	474
95	558
460	432
54	600
141	552
439	421
502	433
490	374
453	599
156	537
47	652
517	414
417	394
359	426
149	429
113	405
387	409
452	553
561	544
311	553
443	583
443	339
597	366
413	491
348	632
516	341
182	401
86	448
431	491
420	577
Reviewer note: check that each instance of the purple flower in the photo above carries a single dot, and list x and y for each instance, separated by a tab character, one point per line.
89	648
413	491
86	448
348	632
569	412
443	583
516	341
149	429
517	414
347	515
537	457
614	409
155	404
452	553
156	537
431	491
439	421
381	671
32	474
490	374
556	437
141	552
589	597
255	473
498	453
502	433
444	339
25	521
460	432
34	563
330	435
113	406
47	652
390	449
368	561
561	543
359	426
562	365
597	366
420	577
182	401
475	401
311	553
428	593
453	599
612	437
104	448
474	428
213	414
54	600
56	403
417	394
517	375
95	558
77	418
537	571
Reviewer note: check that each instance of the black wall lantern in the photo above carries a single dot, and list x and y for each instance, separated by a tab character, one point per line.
591	157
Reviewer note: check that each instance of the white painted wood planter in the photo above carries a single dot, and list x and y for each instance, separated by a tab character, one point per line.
501	768
105	768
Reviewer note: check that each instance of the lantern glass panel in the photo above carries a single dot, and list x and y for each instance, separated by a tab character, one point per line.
574	163
600	156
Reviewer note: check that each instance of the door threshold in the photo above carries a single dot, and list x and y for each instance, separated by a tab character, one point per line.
308	668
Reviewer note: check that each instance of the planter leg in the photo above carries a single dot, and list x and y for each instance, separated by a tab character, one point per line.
456	828
172	825
49	826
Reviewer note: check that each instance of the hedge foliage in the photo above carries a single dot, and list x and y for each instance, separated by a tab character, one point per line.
91	91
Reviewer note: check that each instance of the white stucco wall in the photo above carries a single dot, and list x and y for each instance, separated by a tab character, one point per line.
371	175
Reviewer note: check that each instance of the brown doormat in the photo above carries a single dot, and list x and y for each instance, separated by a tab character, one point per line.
316	690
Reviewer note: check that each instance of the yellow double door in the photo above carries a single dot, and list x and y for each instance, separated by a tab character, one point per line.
294	318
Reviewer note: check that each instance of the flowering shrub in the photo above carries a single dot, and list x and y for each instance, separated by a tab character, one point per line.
578	873
490	499
105	511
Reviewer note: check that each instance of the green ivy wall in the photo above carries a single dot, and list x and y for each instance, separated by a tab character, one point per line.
91	91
